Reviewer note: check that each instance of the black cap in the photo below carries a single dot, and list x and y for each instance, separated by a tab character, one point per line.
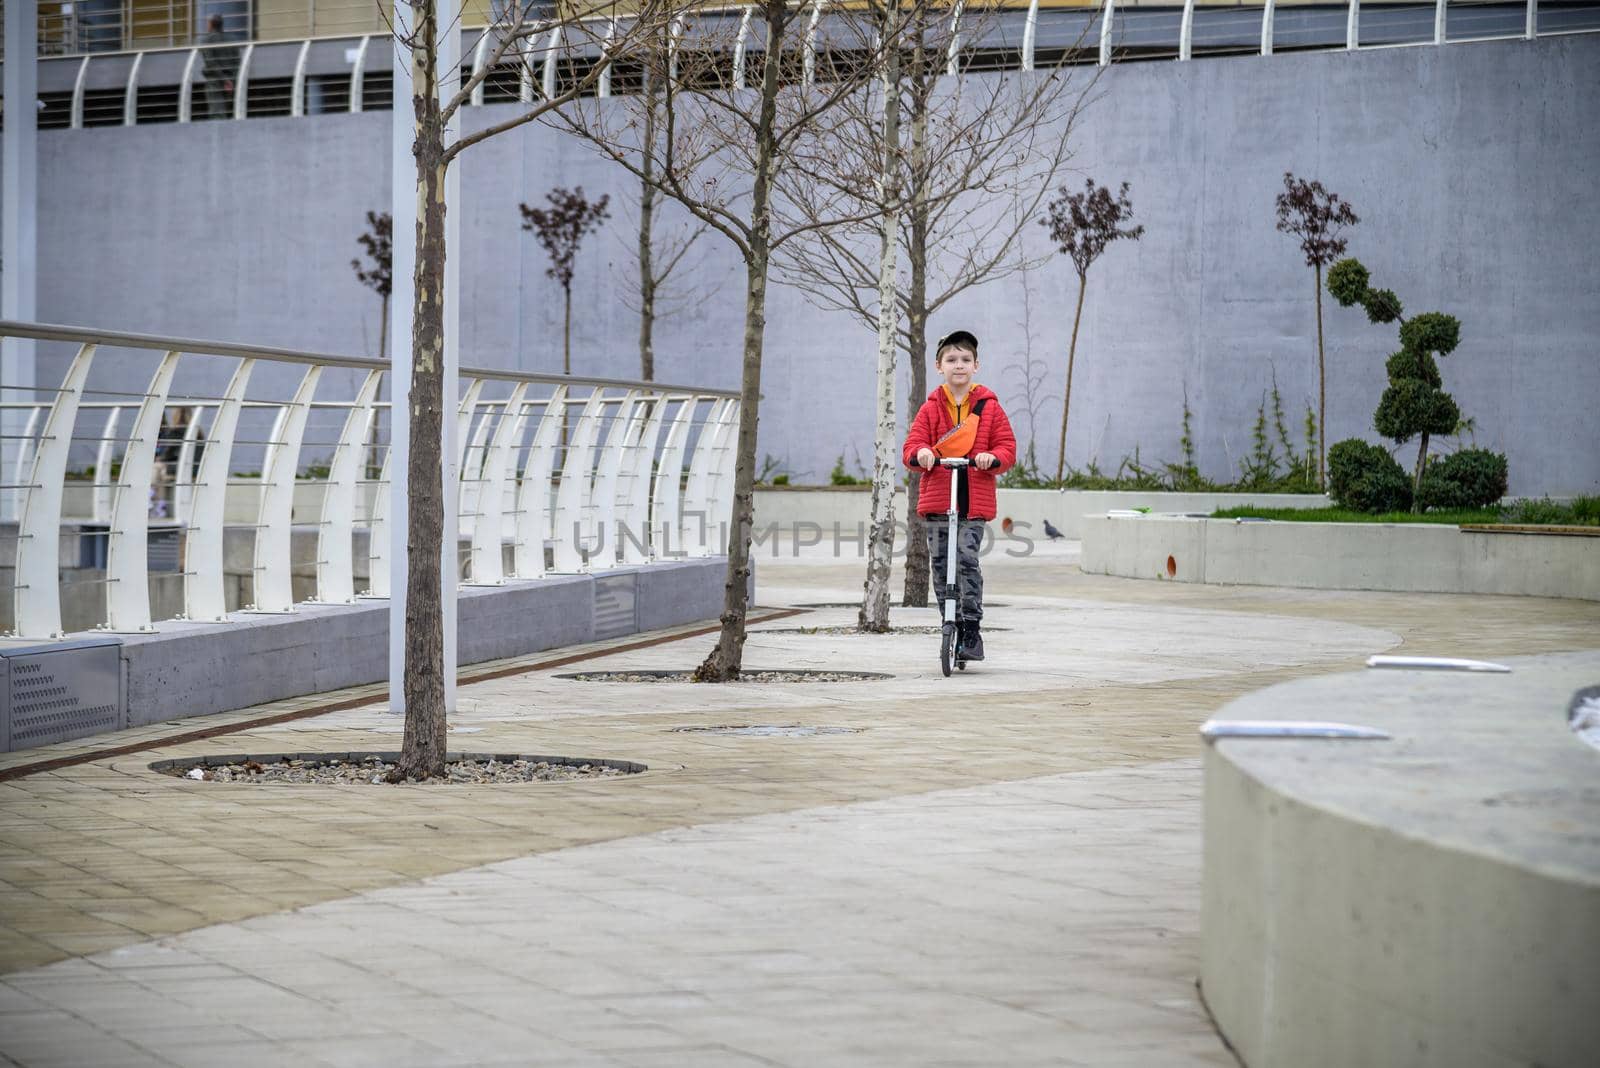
963	338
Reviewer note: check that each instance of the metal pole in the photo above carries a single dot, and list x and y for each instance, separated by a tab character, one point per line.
19	189
403	211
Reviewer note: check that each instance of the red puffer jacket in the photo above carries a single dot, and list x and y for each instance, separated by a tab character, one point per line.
994	436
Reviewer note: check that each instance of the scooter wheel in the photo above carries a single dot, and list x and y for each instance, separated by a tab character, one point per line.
947	649
961	665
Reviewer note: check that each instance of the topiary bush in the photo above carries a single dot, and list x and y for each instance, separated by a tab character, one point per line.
1365	478
1415	404
1471	478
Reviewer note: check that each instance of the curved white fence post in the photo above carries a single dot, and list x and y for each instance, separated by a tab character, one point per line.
547	78
204	596
186	87
1186	33
241	83
724	476
572	496
1352	25
75	118
297	85
37	612
471	467
603	86
488	526
128	552
358	74
336	582
274	577
696	531
603	501
738	47
100	511
1531	27
378	535
808	54
1266	25
1107	12
1030	33
666	494
183	480
952	65
130	95
533	511
633	491
480	55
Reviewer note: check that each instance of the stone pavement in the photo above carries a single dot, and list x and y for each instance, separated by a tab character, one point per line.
1002	867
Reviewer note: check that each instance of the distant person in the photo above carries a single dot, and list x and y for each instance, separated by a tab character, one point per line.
220	66
992	448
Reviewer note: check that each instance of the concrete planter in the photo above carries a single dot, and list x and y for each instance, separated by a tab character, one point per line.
1429	900
1401	557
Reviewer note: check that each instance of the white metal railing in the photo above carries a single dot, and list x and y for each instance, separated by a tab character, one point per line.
601	472
332	66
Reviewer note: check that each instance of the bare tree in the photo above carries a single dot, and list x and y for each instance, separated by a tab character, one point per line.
423	749
1082	225
968	148
657	256
721	149
560	228
379	277
1316	217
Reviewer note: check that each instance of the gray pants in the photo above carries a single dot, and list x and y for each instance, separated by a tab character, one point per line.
969	579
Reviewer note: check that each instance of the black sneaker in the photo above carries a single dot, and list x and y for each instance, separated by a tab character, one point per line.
971	642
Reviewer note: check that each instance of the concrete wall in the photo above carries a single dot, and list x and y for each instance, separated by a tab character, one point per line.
1415	557
173	673
1469	164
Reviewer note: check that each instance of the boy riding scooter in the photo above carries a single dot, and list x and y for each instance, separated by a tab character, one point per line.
960	420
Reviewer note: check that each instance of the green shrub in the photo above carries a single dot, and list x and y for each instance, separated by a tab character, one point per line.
1471	478
840	477
1366	478
780	480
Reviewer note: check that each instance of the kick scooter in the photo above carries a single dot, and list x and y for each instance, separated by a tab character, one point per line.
950	637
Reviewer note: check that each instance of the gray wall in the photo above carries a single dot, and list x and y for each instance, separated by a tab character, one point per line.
1472	166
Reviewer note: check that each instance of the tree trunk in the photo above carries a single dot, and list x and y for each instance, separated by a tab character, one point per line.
1416	479
383	330
1066	399
725	661
422	753
874	614
647	215
566	330
915	594
1322	396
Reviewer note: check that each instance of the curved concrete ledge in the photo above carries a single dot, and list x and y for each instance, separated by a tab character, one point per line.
1398	557
1432	900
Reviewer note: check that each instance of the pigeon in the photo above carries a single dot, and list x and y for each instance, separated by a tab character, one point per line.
1051	532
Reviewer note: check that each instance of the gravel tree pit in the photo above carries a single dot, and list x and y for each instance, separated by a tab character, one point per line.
764	676
372	768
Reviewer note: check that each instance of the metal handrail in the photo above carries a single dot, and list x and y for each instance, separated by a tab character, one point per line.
124	339
612	494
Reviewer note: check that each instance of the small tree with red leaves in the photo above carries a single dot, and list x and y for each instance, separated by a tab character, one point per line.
1316	217
561	228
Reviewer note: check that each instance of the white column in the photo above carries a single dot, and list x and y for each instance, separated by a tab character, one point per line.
403	211
19	189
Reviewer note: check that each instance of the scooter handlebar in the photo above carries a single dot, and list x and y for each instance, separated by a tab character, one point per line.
954	461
